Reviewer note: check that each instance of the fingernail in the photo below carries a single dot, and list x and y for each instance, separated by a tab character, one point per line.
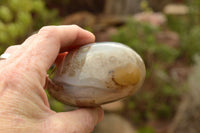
100	114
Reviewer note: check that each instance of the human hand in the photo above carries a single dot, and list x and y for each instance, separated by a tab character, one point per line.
24	106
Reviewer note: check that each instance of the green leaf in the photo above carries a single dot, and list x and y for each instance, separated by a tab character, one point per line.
5	14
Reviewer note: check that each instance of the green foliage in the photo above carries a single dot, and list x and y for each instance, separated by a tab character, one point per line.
188	27
146	129
56	105
18	18
5	14
145	6
159	100
142	38
190	41
194	10
158	103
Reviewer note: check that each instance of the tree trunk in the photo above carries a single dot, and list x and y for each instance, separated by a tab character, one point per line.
158	5
187	119
122	7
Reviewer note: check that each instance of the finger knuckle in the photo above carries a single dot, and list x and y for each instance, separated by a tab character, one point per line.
47	31
11	47
75	26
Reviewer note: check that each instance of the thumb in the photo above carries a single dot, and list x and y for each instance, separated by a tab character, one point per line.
79	121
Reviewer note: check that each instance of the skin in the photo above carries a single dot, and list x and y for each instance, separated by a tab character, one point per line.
24	106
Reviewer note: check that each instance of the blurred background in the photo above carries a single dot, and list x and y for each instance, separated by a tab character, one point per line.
165	33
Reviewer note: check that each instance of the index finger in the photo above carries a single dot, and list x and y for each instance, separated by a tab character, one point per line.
40	50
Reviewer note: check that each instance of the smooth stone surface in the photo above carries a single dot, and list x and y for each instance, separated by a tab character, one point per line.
96	74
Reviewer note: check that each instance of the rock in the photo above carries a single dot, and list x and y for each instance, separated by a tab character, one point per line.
155	19
176	9
114	107
169	38
113	123
105	35
105	21
82	19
